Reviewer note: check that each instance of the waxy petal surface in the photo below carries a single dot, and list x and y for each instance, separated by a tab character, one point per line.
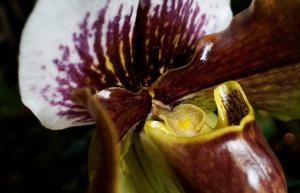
265	36
72	44
124	107
235	162
234	157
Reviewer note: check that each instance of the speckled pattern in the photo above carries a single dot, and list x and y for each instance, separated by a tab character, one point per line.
164	37
235	106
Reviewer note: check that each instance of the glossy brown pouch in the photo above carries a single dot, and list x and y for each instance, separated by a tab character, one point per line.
233	156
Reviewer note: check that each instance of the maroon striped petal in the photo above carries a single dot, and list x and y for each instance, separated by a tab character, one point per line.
70	44
276	91
265	36
167	32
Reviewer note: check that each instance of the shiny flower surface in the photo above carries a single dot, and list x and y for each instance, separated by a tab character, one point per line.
118	63
103	44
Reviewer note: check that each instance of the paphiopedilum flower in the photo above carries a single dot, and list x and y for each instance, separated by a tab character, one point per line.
138	56
229	154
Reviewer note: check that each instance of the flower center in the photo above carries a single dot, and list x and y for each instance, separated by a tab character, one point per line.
187	120
183	120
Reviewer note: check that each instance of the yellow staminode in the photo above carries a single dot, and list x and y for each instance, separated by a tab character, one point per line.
184	123
183	120
187	122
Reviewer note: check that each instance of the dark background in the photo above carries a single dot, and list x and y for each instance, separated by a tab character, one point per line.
36	160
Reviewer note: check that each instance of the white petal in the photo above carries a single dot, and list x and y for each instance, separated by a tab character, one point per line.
58	40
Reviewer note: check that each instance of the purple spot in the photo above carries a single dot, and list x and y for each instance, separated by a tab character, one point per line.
44	92
33	88
85	73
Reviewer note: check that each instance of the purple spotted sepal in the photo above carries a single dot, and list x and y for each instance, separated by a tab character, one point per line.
103	44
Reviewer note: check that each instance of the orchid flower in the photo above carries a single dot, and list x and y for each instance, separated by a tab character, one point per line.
146	71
